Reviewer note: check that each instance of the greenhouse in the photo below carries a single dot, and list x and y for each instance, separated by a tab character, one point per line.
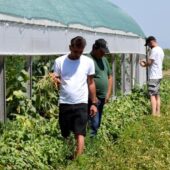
44	28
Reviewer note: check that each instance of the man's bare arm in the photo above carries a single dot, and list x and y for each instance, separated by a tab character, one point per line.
92	91
109	91
147	63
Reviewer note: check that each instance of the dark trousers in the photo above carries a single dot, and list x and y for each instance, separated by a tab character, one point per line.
95	122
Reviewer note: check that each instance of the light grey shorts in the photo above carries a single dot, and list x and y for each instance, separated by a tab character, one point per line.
154	87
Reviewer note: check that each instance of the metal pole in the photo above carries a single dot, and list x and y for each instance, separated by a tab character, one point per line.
131	71
147	75
2	90
137	69
29	70
114	78
123	73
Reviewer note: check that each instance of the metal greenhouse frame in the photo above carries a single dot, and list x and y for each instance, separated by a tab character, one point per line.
27	34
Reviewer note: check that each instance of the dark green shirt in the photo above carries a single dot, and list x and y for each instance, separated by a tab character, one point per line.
102	72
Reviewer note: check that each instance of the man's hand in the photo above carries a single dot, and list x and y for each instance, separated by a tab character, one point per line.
97	100
142	63
93	110
147	63
56	80
107	98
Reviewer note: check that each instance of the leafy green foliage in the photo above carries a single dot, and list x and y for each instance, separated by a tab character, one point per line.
122	111
15	84
128	139
45	93
167	52
17	100
145	144
166	62
31	143
45	97
42	66
14	65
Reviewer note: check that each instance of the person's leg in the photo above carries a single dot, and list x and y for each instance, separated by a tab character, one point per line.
158	105
153	89
100	109
153	104
79	126
64	116
93	121
158	99
79	145
96	121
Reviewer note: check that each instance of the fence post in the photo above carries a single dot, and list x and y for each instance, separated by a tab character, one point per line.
2	90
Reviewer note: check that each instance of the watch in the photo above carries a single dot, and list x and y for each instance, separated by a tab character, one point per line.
95	104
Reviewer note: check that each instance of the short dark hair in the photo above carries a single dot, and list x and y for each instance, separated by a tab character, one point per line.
78	42
149	39
101	44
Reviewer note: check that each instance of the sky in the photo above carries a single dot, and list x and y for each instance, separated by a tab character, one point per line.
153	16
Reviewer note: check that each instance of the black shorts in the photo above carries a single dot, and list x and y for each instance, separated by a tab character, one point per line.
73	117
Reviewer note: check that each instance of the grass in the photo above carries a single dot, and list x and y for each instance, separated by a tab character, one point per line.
128	139
167	73
167	52
142	145
166	62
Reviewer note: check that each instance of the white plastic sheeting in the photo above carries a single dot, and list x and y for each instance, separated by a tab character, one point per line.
26	39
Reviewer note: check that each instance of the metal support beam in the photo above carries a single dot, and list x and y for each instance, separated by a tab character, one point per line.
147	56
123	73
127	72
29	70
134	70
137	69
114	77
131	70
2	90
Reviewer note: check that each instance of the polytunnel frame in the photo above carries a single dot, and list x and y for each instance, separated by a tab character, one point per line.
134	73
135	54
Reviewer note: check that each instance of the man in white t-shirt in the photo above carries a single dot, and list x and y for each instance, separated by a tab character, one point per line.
75	73
154	65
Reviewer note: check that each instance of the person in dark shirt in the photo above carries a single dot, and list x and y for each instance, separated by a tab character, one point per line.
103	81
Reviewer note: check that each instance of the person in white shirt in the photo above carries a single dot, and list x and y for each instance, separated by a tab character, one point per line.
74	72
154	65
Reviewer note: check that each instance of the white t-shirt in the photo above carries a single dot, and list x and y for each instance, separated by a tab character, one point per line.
74	87
155	70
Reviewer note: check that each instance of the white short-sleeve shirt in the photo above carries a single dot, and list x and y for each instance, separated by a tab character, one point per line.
74	73
155	70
